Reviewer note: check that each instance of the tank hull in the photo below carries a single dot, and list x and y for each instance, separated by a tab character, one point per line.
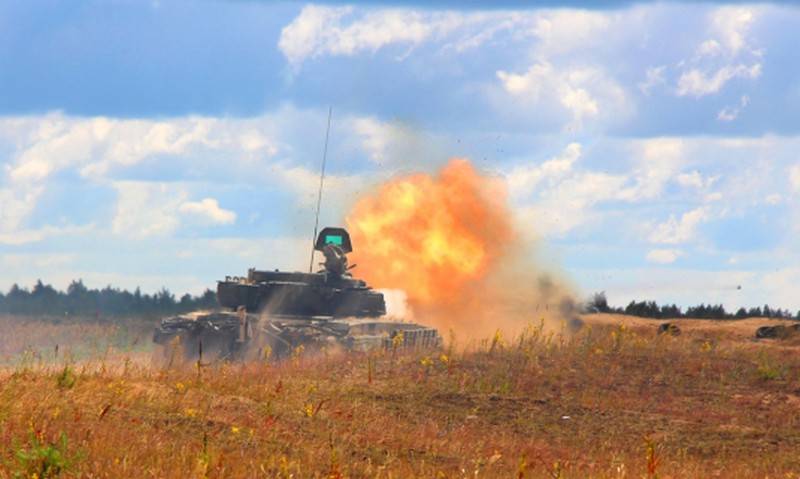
231	336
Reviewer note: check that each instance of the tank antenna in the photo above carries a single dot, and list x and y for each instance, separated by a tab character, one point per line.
319	194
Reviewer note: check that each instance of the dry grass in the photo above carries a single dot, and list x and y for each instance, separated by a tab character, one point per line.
607	402
25	339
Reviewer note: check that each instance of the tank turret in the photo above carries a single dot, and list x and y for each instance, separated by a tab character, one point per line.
331	292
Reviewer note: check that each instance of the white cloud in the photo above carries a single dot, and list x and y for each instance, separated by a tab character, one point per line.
675	231
654	76
557	196
43	261
694	179
657	161
709	48
343	31
584	93
96	146
663	256
321	30
17	203
524	178
731	113
727	114
397	144
568	203
773	199
22	236
697	83
146	209
262	152
731	25
62	144
209	210
794	177
564	31
720	59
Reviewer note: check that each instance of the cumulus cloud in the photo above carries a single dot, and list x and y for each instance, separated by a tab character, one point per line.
524	178
676	231
322	30
58	144
17	203
158	167
794	177
583	93
48	260
730	113
558	196
657	160
731	25
22	236
343	31
654	76
722	58
663	256
565	30
694	179
96	146
397	144
208	209
569	204
554	197
146	209
697	83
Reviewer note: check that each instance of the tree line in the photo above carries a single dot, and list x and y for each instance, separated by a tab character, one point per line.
598	303
78	300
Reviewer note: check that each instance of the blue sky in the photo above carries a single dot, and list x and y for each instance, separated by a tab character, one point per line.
650	149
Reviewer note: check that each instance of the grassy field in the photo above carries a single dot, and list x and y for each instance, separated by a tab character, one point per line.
42	340
613	400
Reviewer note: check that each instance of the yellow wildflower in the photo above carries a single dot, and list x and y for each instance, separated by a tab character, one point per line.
397	340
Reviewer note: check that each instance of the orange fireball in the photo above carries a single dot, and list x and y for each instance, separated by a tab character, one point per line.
435	237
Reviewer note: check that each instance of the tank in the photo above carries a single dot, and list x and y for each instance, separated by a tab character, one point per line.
273	314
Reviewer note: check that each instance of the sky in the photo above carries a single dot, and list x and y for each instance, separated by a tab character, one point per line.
651	150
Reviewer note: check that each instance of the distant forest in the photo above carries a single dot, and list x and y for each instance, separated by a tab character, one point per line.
78	300
650	309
